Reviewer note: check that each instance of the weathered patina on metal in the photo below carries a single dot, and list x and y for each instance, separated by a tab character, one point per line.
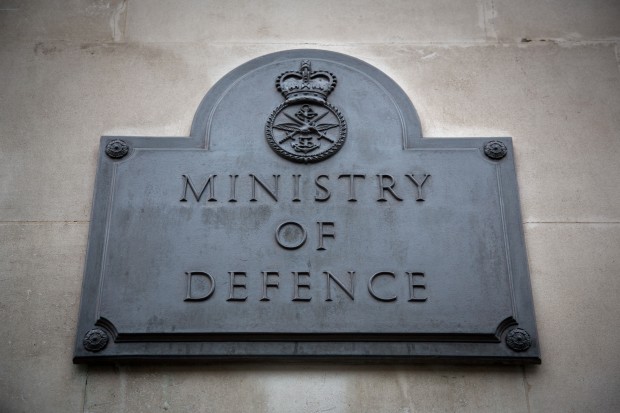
305	217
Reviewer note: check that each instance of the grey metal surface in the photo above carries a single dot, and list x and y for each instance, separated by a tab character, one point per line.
268	235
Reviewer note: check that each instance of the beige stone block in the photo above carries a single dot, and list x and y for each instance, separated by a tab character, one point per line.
297	21
304	387
439	388
563	20
576	287
59	98
40	281
77	20
173	388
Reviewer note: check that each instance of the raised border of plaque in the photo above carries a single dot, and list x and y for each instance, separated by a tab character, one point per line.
299	126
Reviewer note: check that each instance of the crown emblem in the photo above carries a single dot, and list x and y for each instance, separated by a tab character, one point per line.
304	84
306	127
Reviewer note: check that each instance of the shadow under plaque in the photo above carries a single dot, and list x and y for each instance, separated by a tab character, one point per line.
305	217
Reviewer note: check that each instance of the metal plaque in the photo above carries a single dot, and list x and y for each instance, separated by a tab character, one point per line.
305	217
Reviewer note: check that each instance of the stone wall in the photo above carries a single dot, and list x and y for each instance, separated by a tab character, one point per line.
544	72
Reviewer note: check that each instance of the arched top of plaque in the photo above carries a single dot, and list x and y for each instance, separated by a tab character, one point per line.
304	104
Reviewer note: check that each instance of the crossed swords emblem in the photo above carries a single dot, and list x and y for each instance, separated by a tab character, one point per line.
305	124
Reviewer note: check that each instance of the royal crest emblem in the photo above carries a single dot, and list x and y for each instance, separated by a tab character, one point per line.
306	128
